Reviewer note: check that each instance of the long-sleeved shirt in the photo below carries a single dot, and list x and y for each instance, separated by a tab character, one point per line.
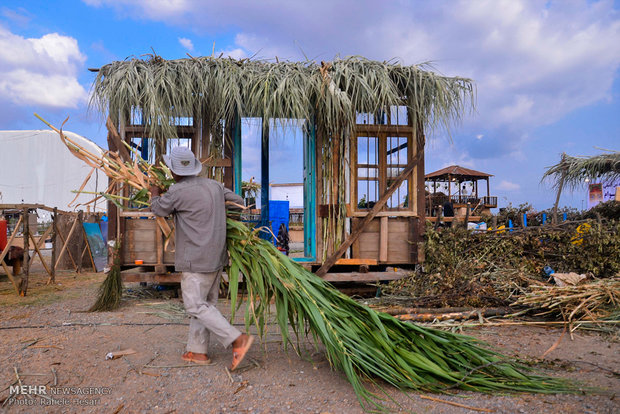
200	222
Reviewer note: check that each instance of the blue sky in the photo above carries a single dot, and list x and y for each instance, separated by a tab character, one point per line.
547	72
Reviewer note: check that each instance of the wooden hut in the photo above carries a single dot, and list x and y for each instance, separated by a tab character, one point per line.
364	134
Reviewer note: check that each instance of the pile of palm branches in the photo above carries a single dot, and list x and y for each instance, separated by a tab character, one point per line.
588	301
465	268
365	344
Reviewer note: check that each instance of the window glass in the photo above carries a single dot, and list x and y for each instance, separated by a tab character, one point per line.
367	193
367	171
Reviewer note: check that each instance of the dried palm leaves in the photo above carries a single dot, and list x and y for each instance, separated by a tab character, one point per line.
587	301
223	89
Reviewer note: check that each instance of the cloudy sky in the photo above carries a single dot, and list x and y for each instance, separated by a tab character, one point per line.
547	72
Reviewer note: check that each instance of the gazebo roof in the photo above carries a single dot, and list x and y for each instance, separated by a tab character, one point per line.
456	171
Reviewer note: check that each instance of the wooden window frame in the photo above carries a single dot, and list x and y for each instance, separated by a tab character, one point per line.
381	132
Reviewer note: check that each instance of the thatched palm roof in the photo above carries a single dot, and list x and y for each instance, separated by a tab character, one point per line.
329	93
572	171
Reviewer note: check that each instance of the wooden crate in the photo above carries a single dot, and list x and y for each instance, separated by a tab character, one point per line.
142	240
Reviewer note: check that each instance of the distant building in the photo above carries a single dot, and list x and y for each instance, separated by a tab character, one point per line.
291	192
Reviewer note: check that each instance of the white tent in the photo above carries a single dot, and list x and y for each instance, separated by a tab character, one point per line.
37	168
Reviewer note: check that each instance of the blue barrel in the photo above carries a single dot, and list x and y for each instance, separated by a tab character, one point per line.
278	214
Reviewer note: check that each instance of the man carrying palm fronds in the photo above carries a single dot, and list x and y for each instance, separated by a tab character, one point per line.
200	227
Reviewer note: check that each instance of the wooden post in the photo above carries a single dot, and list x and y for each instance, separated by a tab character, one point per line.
467	208
115	143
26	234
79	223
160	268
52	278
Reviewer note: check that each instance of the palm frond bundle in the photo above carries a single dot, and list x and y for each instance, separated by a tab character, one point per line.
361	342
574	170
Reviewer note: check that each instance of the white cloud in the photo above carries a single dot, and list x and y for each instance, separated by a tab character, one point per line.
186	43
237	53
508	186
153	9
534	61
40	71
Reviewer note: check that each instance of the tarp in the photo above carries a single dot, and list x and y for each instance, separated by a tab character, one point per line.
37	168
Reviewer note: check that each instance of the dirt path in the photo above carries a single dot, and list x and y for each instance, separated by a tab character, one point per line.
53	334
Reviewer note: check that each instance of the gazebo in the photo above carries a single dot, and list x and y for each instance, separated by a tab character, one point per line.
461	186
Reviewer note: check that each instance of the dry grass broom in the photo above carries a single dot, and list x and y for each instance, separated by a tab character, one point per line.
111	290
366	345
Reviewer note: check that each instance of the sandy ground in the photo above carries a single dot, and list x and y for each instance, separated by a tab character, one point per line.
49	340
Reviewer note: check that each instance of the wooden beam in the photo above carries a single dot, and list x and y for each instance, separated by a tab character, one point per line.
152	277
10	276
363	277
30	206
54	226
23	286
383	240
36	249
356	262
371	214
43	236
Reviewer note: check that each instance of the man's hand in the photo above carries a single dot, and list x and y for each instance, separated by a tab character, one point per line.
155	191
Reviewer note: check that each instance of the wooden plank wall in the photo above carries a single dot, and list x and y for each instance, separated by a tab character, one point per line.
396	234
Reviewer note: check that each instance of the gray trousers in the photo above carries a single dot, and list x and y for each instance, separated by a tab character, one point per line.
200	293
